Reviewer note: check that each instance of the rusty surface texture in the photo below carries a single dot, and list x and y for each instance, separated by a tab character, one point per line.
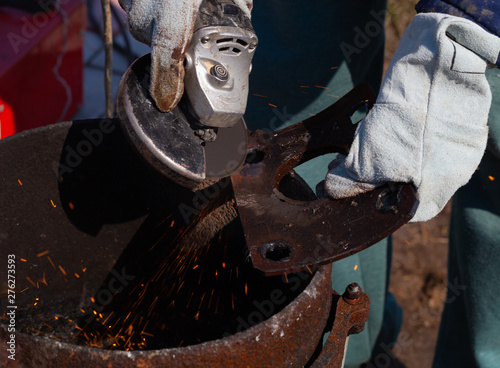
350	318
286	234
287	339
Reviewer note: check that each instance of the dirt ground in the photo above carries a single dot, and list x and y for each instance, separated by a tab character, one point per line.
418	276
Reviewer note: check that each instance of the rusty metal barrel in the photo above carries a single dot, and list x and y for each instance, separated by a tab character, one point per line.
84	217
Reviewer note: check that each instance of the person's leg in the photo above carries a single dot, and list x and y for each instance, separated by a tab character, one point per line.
469	333
309	55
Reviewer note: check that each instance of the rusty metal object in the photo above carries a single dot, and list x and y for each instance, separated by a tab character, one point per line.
287	339
285	234
350	318
80	192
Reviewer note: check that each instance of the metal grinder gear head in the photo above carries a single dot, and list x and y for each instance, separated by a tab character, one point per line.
204	137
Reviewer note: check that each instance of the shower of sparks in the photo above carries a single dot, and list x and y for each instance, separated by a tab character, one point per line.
178	285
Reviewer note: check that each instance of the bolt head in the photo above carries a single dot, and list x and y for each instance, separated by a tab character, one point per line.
353	291
205	39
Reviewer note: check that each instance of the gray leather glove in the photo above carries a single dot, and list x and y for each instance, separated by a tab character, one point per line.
429	124
166	26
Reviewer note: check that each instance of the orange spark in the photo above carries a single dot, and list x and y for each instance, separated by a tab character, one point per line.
355	267
322	87
195	267
19	181
52	263
42	253
491	178
270	104
22	259
53	204
62	270
77	275
255	94
71	206
30	281
328	94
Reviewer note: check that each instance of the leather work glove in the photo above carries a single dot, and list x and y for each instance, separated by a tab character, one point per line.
167	26
429	124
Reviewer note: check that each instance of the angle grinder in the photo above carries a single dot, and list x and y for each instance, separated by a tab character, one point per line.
204	138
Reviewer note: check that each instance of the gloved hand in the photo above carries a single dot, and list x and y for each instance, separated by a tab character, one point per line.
166	26
429	124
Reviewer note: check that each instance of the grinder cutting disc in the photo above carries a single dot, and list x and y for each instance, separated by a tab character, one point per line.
167	140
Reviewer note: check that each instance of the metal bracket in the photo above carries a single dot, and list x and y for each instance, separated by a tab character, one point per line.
284	234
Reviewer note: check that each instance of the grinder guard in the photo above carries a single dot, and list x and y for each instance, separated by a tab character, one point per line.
204	137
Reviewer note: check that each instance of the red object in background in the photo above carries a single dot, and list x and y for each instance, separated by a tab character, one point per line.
41	66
